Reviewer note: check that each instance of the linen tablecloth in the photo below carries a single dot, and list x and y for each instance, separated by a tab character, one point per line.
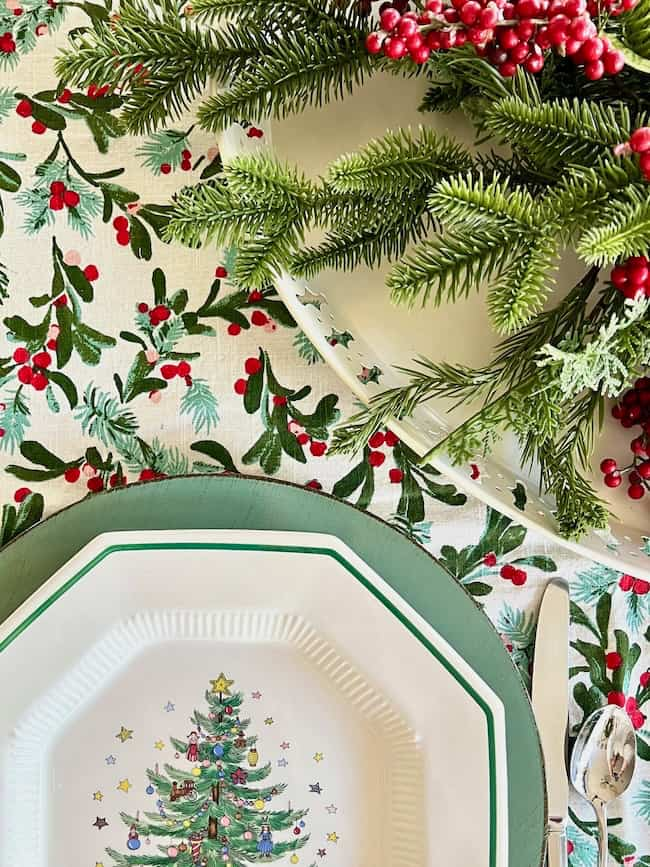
123	358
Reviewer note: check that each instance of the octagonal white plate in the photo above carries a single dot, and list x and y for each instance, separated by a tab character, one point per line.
382	732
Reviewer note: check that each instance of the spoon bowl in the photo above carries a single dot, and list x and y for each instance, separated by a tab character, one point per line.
602	764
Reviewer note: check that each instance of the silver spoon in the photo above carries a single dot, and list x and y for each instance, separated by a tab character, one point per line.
602	764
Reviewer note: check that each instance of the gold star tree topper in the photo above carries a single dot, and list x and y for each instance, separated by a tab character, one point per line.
221	686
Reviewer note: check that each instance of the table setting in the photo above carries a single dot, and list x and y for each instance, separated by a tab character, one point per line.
320	322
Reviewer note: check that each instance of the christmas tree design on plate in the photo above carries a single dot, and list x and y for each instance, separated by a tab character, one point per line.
217	809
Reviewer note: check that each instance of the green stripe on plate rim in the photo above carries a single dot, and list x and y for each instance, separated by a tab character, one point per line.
292	549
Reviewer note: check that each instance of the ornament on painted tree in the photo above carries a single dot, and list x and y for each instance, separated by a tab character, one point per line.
253	757
193	747
133	841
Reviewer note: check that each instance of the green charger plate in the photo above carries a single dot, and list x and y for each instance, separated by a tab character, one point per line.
232	502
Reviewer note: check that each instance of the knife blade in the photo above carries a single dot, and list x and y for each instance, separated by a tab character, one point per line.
550	688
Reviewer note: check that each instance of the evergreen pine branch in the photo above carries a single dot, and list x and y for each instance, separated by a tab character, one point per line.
522	287
635	26
304	69
469	202
259	259
559	131
263	179
311	12
622	230
400	161
448	267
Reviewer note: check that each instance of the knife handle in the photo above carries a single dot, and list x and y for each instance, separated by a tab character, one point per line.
556	844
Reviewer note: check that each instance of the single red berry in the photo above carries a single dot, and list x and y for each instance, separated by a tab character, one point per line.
508	571
143	307
39	381
91	273
640	587
608	465
613	660
240	386
626	582
644	164
165	168
147	475
21	355
376	459
394	48
519	578
65	96
259	318
640	139
186	166
117	481
120	224
315	485
391	440
569	847
617	411
42	359
592	49
234	329
318	449
95	484
617	698
25	375
252	366
377	440
123	238
51	344
594	70
184	369
279	400
644	680
161	312
490	559
395	475
220	273
72	475
303	439
20	494
613	480
389	19
635	491
374	42
187	155
56	203
61	301
613	61
24	108
644	470
71	198
169	371
38	128
255	296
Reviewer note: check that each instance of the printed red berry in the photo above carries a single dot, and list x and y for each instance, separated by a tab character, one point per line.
161	312
39	382
186	155
644	680
117	481
20	494
377	440
72	474
255	296
234	329
147	475
143	308
315	485
240	386
123	238
613	660
318	449
508	571
51	344
252	366
395	475
24	108
279	400
91	273
169	371
95	485
519	578
490	559
376	459
25	375
186	166
303	439
258	318
42	359
120	224
569	847
626	582
21	355
61	301
38	128
165	168
56	203
71	198
65	96
184	369
390	439
220	273
641	587
617	698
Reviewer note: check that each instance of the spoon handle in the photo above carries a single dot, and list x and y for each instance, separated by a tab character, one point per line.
601	817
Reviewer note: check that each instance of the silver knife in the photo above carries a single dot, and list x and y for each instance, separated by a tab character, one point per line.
550	689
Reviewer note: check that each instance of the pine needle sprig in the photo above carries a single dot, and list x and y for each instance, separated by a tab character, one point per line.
262	178
622	230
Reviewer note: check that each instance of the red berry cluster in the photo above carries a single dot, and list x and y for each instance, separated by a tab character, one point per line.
182	369
639	143
94	481
508	33
7	43
511	573
121	226
376	458
637	718
638	586
316	447
24	109
95	92
632	277
633	409
254	132
36	374
62	197
159	313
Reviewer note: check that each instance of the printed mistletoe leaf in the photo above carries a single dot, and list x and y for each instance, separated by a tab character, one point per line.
642	748
159	282
325	415
512	538
578	616
148	384
9	178
588	700
477	588
79	282
217	452
213	168
288	441
411	502
38	454
178	301
33	335
133	338
546	564
66	385
14	521
140	239
253	393
346	486
52	119
603	612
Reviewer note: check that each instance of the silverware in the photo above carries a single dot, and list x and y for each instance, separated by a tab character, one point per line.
550	689
602	764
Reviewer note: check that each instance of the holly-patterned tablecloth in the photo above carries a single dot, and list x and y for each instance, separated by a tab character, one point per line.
122	358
